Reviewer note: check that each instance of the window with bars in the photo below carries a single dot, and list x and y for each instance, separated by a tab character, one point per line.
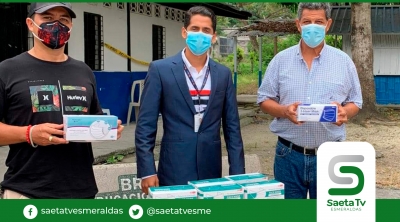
13	29
93	40
225	45
159	42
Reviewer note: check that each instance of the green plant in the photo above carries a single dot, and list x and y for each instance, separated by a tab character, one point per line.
114	158
240	54
331	39
253	59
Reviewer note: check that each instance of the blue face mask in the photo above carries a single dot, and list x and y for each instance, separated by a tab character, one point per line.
198	42
313	34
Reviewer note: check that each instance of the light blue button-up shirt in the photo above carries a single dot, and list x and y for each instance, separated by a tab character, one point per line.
332	78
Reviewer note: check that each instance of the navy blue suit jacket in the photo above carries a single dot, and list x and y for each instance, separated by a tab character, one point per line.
184	154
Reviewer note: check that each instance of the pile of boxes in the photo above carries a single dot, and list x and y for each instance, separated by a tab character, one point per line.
243	186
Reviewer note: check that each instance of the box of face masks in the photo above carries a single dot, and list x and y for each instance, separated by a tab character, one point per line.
317	113
173	192
270	189
210	182
222	191
90	128
247	178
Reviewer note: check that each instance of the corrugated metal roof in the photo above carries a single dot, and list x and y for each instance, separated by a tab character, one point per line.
384	19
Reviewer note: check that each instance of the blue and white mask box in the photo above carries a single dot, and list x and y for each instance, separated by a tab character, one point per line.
270	189
90	128
210	182
173	192
247	178
317	113
222	191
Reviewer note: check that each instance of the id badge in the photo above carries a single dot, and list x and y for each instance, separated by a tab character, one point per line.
197	121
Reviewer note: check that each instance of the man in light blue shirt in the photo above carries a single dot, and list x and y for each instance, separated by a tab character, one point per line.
315	73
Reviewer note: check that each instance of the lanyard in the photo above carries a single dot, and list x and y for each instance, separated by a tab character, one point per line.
194	83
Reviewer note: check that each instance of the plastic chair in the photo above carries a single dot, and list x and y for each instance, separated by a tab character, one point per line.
106	111
139	83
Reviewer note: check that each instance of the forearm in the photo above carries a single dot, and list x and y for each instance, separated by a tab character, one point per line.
273	108
12	134
351	110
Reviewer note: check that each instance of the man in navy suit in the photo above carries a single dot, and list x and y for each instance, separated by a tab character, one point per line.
195	95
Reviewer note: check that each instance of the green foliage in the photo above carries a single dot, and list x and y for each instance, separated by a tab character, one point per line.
240	54
260	10
330	40
253	56
114	158
248	64
263	10
226	23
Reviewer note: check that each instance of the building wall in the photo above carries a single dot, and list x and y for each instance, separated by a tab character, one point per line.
115	34
386	53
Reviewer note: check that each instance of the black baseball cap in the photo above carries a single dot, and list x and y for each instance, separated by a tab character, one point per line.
40	7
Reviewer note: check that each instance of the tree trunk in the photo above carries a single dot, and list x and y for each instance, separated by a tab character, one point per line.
253	39
362	55
254	43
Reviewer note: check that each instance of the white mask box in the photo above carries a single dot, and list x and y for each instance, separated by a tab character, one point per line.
222	191
173	192
90	128
247	178
210	182
269	189
317	113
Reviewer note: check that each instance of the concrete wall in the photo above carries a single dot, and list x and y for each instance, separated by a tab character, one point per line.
115	34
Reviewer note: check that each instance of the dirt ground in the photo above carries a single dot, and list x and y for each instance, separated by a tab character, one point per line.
384	137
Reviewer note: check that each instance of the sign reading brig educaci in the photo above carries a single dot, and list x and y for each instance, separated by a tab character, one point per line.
129	188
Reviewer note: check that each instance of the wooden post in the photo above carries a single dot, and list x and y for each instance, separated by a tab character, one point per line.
336	41
260	61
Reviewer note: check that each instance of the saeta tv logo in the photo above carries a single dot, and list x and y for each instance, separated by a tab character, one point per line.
346	182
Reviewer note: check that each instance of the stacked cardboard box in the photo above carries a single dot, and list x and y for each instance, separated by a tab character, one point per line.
244	186
269	189
173	192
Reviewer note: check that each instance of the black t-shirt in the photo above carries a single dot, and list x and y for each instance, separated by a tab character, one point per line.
32	92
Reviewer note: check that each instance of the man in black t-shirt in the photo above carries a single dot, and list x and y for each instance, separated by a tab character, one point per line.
36	88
